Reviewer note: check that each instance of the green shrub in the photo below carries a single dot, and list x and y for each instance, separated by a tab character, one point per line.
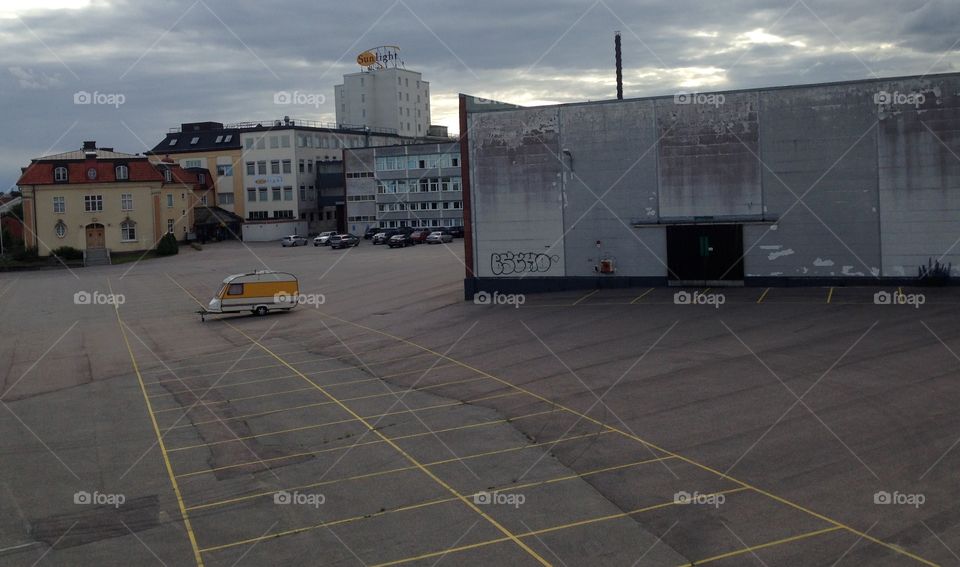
67	253
168	245
26	254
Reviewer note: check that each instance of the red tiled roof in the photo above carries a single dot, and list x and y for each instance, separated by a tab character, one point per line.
138	169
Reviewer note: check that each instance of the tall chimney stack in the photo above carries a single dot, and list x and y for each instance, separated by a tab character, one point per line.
616	48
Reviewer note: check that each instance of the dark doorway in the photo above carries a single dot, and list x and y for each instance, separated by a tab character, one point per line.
705	252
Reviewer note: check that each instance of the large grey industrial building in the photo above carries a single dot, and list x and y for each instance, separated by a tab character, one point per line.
832	183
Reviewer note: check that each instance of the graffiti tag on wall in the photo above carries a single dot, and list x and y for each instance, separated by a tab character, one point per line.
507	263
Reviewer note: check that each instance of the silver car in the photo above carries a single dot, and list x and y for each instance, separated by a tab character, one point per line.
323	238
293	240
439	237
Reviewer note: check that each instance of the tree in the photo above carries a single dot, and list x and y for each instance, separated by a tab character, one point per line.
168	245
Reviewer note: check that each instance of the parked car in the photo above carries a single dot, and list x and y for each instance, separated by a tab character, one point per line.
343	240
419	236
383	236
456	231
439	237
323	238
368	235
293	240
401	240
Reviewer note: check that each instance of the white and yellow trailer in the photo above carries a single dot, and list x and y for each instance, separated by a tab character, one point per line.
258	292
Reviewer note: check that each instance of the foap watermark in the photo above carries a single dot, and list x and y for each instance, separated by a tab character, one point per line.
883	497
98	298
706	99
896	98
299	98
684	497
315	299
300	498
97	97
484	498
95	498
697	298
497	298
899	298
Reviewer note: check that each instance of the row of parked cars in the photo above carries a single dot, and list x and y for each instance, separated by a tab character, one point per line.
407	236
392	237
331	239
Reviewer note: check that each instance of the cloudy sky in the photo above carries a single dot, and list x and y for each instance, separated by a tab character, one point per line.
176	61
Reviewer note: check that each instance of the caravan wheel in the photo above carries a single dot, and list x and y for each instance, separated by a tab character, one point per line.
261	310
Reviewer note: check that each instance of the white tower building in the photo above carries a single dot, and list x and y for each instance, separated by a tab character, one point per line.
384	95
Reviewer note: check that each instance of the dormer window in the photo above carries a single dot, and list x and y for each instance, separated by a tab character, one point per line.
122	172
167	175
173	142
60	174
228	138
219	139
194	140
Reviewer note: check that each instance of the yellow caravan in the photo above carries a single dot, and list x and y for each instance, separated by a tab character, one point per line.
259	292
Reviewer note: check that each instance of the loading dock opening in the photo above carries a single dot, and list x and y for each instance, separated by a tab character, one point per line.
703	253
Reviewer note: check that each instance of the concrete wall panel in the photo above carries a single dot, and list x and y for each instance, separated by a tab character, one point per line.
610	184
917	152
517	203
707	153
817	143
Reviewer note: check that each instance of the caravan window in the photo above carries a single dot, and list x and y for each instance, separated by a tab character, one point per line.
235	289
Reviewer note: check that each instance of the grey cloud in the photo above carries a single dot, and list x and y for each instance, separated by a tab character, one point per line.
204	65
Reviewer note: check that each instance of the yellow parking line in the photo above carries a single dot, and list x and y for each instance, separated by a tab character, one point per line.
586	296
420	504
754	548
829	295
275	378
156	430
638	439
763	295
372	429
642	295
326	371
426	471
535	533
229	352
205	403
513	449
312	426
303	406
254	397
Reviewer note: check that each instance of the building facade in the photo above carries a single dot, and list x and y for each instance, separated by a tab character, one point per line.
96	198
273	175
210	146
856	181
391	98
415	185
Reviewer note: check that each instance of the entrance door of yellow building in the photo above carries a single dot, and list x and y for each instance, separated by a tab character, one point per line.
95	237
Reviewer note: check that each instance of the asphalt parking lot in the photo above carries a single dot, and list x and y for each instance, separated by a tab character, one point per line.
397	424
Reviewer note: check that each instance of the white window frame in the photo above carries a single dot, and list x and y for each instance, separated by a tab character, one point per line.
126	201
90	200
125	228
62	202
